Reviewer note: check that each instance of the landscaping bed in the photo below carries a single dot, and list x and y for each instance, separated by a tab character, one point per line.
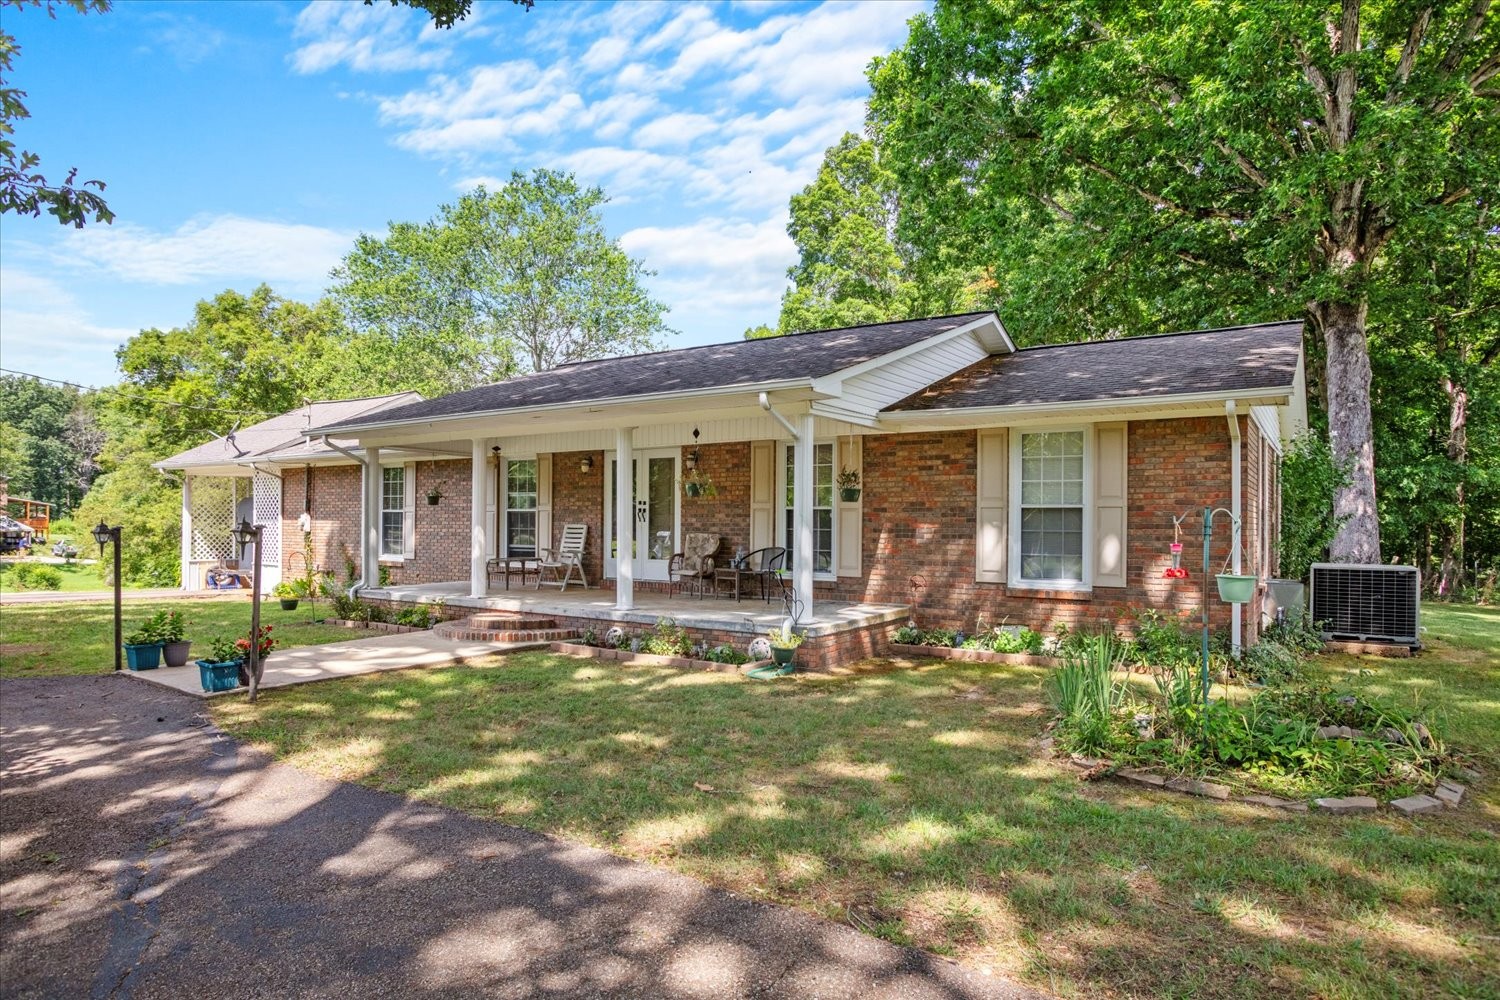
375	626
973	655
628	658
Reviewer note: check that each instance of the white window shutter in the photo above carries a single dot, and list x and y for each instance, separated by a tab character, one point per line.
991	515
1110	504
409	511
850	516
762	494
544	502
492	539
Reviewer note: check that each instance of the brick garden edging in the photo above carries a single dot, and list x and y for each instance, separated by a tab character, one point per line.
626	657
975	655
389	627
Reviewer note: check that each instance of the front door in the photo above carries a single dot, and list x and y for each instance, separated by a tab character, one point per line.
654	476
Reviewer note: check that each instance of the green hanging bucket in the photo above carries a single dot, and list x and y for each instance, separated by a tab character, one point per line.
1234	589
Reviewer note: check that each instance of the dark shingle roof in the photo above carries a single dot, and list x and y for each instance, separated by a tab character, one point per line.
713	366
1243	357
284	432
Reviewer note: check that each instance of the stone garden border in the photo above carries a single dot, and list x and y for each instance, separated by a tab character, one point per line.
975	655
626	657
1447	795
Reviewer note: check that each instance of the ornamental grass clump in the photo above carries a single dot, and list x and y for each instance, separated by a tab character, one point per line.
1086	695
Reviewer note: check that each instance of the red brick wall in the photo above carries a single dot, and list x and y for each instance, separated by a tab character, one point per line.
334	503
578	498
441	542
727	514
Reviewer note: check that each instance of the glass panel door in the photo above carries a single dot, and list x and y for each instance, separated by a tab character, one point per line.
654	503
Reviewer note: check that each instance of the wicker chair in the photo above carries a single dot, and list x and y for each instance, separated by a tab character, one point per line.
693	567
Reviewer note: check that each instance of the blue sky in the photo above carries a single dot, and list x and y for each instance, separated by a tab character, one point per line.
251	142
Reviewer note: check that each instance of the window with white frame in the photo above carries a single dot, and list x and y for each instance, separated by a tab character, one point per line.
1052	522
520	507
823	507
393	511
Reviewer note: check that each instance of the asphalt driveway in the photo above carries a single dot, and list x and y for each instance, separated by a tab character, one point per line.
144	854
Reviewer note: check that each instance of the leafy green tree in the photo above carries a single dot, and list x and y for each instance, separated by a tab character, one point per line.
242	358
1267	154
521	278
47	451
1310	476
23	190
148	507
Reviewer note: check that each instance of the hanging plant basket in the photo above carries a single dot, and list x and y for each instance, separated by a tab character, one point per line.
1234	589
849	494
692	489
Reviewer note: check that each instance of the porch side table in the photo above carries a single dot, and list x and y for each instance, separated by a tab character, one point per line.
522	566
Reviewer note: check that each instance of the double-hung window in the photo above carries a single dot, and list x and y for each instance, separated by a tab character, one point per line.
520	507
822	506
1052	534
393	511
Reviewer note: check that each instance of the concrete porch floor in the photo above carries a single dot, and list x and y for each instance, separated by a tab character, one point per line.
306	664
750	615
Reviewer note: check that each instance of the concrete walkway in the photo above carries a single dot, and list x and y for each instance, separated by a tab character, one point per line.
307	664
143	854
96	596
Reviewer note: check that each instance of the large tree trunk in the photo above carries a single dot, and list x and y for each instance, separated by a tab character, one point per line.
1350	430
1451	574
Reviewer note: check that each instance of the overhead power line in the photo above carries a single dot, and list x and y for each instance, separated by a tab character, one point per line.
136	395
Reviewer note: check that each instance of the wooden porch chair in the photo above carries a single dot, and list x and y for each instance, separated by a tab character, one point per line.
565	560
693	567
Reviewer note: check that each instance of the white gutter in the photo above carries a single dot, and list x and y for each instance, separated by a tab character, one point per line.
1273	396
765	404
1235	489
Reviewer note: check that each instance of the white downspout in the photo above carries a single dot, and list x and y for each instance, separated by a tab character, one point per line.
365	519
1235	490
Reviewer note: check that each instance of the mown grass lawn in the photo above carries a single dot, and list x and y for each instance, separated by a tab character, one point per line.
42	640
912	802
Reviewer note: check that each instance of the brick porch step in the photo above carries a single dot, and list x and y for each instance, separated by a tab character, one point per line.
503	627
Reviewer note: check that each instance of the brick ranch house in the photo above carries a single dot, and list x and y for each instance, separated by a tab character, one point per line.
1033	486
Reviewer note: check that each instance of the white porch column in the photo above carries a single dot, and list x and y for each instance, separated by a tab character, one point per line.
187	531
802	517
369	564
624	519
479	583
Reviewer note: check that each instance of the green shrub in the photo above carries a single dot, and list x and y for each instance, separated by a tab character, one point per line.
1269	662
418	617
35	576
907	635
1023	640
667	639
376	613
1301	634
723	654
939	637
1310	477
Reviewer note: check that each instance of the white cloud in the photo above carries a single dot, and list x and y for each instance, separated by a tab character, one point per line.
41	322
294	257
374	38
717	265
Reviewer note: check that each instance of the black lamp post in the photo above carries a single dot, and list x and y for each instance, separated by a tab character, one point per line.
249	534
104	533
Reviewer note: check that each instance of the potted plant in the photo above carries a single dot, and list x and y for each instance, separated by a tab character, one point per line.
848	482
434	495
699	484
172	633
287	594
220	672
784	643
242	644
143	648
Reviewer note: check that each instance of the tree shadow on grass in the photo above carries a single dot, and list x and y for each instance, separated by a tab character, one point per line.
143	853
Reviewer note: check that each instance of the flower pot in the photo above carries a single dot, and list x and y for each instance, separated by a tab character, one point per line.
289	603
849	494
432	500
175	654
1236	589
143	656
219	676
692	489
782	655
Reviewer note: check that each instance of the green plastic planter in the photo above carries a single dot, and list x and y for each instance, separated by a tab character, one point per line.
289	603
1235	589
143	656
219	676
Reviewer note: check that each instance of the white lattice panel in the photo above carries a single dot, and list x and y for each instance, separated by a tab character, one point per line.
268	513
212	504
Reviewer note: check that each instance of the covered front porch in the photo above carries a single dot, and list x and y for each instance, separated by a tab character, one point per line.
838	630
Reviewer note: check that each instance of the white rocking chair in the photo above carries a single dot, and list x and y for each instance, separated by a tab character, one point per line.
565	560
